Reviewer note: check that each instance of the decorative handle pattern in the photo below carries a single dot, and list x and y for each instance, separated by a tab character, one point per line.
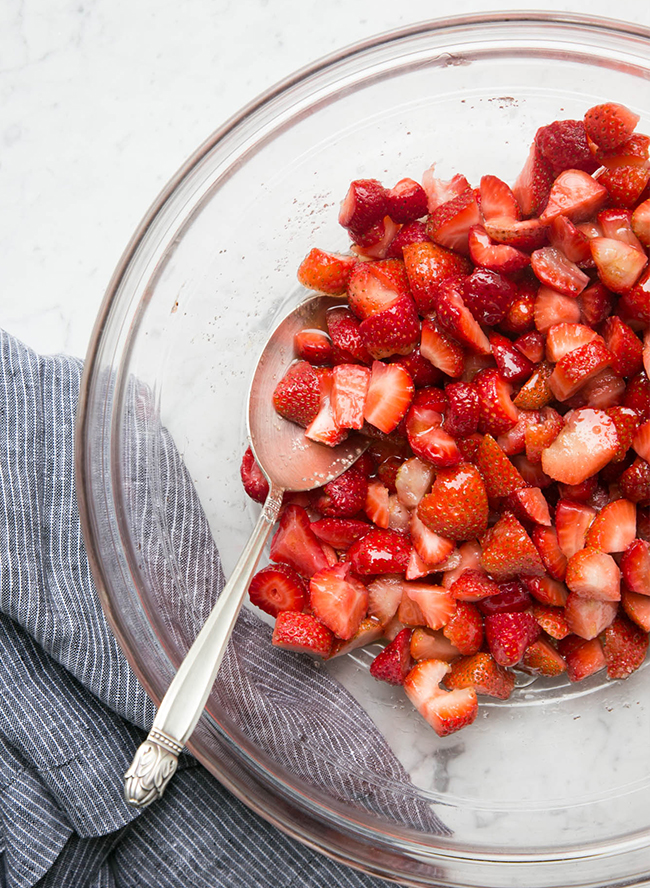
152	768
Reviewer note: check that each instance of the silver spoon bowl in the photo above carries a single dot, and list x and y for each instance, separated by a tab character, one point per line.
290	461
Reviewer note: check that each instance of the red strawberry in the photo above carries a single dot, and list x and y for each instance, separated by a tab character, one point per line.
552	308
375	286
297	395
375	242
536	392
540	435
380	552
465	628
594	574
473	585
391	331
277	588
457	506
500	476
394	663
343	328
389	396
338	599
566	237
427	644
635	482
552	620
497	412
509	634
323	428
625	179
430	546
595	303
406	201
348	395
583	658
584	446
610	125
625	646
427	438
588	617
339	533
512	364
602	391
411	233
421	371
542	658
552	268
303	633
253	479
546	590
436	604
641	441
511	598
462	414
614	527
508	551
457	320
572	520
640	222
345	496
440	349
446	711
363	205
637	607
449	224
427	265
529	504
625	347
577	367
413	480
619	265
617	223
377	503
564	144
384	597
294	543
635	565
481	672
440	191
564	338
314	346
488	295
576	195
494	256
369	631
520	317
526	235
497	199
546	541
327	272
635	306
534	182
637	395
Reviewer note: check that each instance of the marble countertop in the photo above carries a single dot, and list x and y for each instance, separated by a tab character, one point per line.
101	102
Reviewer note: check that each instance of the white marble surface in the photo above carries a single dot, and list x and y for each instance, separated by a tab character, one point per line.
102	100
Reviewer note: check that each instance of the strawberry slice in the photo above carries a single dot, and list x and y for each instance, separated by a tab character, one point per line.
302	633
596	303
635	565
625	179
637	395
624	346
348	395
577	367
427	438
375	242
576	195
619	265
540	434
583	658
547	590
473	585
379	552
482	673
406	201
640	222
395	662
625	646
497	199
323	428
591	573
536	392
584	446
570	240
553	308
610	125
294	543
297	395
488	295
427	644
552	620
277	588
457	507
413	480
617	223
546	541
377	503
499	474
314	346
369	631
637	607
635	482
431	547
564	338
436	603
509	634
635	305
375	286
409	612
326	272
526	235
343	328
565	146
339	533
497	413
427	265
421	371
384	597
588	617
389	396
553	269
641	441
440	191
542	658
465	628
391	331
508	551
457	320
253	479
614	527
533	183
445	711
572	520
511	598
440	349
520	317
529	504
338	599
486	253
511	363
449	224
345	496
462	414
602	391
363	205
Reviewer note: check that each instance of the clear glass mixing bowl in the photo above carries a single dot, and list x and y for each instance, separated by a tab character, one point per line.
549	789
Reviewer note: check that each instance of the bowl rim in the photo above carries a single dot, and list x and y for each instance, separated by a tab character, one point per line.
241	789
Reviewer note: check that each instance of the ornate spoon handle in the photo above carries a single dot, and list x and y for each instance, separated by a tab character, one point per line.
155	761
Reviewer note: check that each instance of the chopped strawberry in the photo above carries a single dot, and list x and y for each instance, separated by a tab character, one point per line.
430	644
546	541
348	395
253	479
625	646
457	506
440	191
395	662
297	395
343	328
576	195
531	473
409	612
637	395
462	414
637	607
617	223
583	658
529	504
421	371
449	224
635	482
445	711
553	269
376	507
391	331
465	628
327	272
499	474
497	199
488	295
338	599
625	179
596	304
634	306
509	634
363	205
303	633
432	548
552	620
511	363
314	346
440	349
411	233
345	496
323	428
635	565
508	551
413	480
619	265
497	412
570	240
520	317
640	222
603	390
511	598
542	658
294	543
426	436
375	242
536	392
436	603
384	597
277	588
473	585
641	441
494	256
591	573
577	367
610	125
586	444
427	265
457	320
339	533
369	631
389	396
540	435
526	235
379	552
614	527
481	672
553	308
572	520
547	590
564	338
534	182
375	286
564	145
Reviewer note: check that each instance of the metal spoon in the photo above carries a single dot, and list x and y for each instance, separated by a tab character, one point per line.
290	462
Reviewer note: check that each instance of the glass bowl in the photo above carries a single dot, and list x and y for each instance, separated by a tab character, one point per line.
549	789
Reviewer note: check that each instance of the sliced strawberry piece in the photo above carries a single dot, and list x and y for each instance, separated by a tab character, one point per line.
445	711
614	527
564	144
323	428
552	620
389	396
531	473
406	201
547	590
314	346
462	414
508	551
339	533
384	597
610	125
409	612
637	395
564	338
603	390
297	395
536	392
553	269
391	331
499	474
526	235
427	644
411	233
326	272
345	496
588	617
488	295
529	504
376	241
449	224
509	634
363	205
596	303
432	548
617	223
637	607
541	434
473	585
570	240
338	599
542	658
277	588
520	317
641	441
619	265
427	265
482	673
635	565
497	199
377	503
441	350
369	631
572	520
294	543
457	320
436	603
634	307
440	191
457	506
640	222
625	646
584	446
625	178
348	395
395	662
512	365
627	422
576	195
497	412
465	628
635	482
380	552
427	438
591	573
494	256
511	598
343	328
583	658
413	480
302	633
253	479
421	371
553	308
375	286
534	182
546	541
577	367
